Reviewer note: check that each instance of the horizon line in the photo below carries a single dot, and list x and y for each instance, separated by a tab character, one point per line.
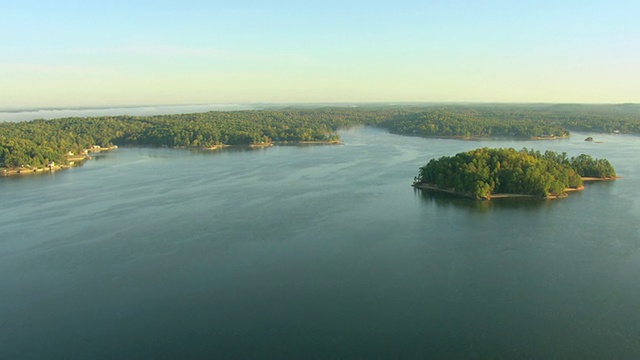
311	103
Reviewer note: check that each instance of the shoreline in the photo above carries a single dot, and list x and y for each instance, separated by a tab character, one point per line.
551	137
433	187
33	170
71	161
588	179
480	138
76	160
214	147
309	142
263	145
269	144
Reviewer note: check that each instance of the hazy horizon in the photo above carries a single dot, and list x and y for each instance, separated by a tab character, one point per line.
303	104
118	54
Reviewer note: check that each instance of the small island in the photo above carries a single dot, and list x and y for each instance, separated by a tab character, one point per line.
494	173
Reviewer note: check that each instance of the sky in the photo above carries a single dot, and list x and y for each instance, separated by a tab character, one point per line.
114	53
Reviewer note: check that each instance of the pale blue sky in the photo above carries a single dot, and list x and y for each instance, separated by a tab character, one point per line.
95	53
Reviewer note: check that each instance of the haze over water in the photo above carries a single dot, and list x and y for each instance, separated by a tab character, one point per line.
317	251
15	115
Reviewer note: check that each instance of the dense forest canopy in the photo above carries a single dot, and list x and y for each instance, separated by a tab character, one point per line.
482	172
515	121
39	141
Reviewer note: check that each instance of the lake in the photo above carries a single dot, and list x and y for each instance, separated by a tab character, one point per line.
316	252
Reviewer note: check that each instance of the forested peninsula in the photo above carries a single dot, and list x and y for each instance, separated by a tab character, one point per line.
485	173
40	142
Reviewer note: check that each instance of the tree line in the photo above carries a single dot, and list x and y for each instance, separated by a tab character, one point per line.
39	141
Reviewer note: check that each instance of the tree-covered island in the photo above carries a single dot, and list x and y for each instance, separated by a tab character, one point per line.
485	173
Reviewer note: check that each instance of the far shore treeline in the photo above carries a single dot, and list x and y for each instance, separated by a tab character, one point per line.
37	142
484	172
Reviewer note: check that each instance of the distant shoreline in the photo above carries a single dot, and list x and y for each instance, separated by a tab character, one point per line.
306	142
480	138
269	144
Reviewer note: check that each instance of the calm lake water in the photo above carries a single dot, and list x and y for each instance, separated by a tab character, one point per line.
316	252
